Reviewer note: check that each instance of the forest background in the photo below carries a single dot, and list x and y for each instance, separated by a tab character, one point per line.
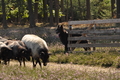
56	11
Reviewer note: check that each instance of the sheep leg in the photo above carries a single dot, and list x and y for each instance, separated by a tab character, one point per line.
24	61
38	62
5	62
19	61
34	65
8	61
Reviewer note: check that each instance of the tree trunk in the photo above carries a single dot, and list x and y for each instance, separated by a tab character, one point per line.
71	9
45	11
57	11
118	8
112	8
79	4
36	10
62	9
31	15
4	15
67	10
51	12
88	9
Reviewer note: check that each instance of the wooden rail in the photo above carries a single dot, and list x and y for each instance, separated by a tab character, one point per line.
115	31
111	37
98	38
94	21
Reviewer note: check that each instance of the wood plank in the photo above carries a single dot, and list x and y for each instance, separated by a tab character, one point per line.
112	37
114	31
95	45
94	21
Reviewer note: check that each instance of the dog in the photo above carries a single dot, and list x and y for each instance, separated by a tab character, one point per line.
63	35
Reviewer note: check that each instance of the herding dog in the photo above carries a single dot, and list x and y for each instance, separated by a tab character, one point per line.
63	35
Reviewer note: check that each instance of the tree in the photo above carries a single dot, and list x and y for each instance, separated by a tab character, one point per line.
62	9
4	15
36	10
118	8
88	9
51	12
17	10
57	11
79	6
71	9
112	8
31	15
101	9
66	11
45	11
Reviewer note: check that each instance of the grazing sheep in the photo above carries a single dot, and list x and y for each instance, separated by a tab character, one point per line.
20	52
39	48
5	53
63	35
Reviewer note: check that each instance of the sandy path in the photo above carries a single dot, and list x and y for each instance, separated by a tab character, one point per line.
71	66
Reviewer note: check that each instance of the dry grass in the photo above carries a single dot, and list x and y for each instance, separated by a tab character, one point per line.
55	71
70	66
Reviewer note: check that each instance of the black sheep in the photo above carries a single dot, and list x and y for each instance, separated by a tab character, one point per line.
20	52
5	53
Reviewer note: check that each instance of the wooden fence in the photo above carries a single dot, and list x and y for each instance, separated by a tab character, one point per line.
109	37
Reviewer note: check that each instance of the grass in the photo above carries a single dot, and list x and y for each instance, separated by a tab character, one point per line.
106	57
102	65
58	72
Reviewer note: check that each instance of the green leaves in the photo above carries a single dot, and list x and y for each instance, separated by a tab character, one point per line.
100	9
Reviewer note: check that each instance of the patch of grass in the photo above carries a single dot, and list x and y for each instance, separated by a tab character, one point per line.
103	59
56	48
55	72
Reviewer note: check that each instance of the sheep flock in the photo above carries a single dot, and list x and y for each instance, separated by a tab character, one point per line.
30	47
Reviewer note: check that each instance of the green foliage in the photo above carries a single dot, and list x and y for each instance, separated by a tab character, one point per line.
25	14
100	9
14	12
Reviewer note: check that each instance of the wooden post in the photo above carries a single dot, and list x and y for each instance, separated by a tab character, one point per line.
69	35
94	48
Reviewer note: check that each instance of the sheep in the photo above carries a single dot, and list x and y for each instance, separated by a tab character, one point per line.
5	53
20	52
39	48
